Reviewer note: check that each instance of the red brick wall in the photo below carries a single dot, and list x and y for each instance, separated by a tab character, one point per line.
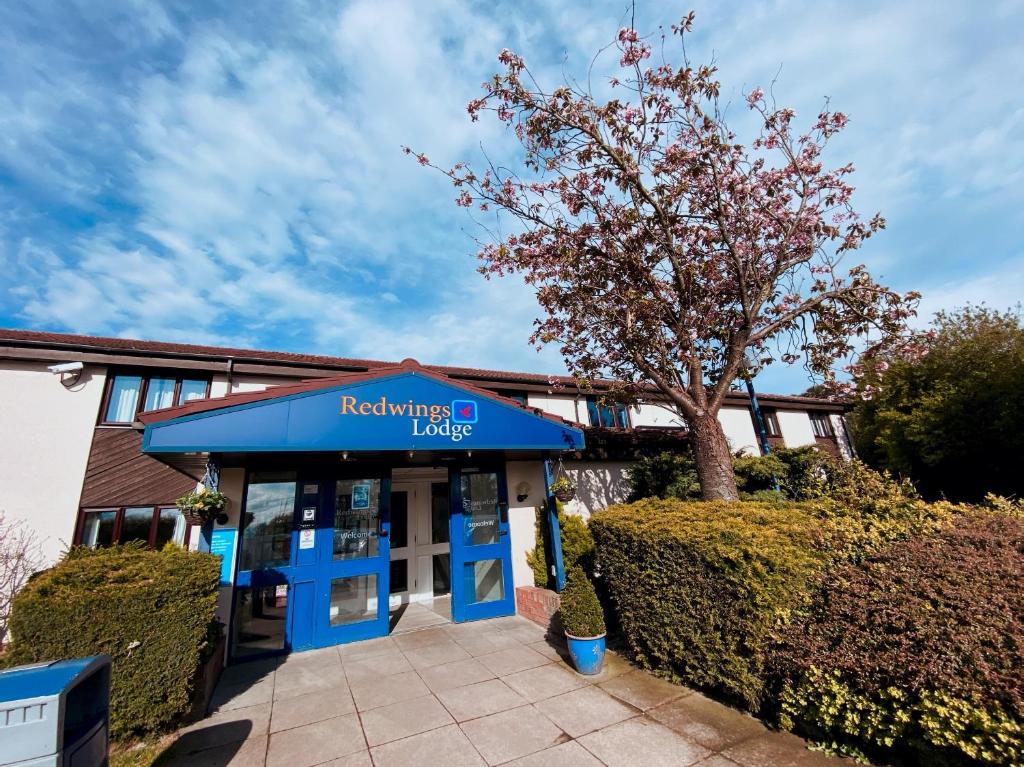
537	604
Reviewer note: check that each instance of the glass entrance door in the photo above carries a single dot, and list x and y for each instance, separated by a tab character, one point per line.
420	530
352	546
481	554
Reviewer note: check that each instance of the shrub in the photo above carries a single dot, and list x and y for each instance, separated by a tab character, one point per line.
152	611
919	649
665	475
701	588
580	609
577	546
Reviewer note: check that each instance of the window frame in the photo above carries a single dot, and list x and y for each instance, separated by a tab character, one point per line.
821	417
119	512
146	374
770	418
619	414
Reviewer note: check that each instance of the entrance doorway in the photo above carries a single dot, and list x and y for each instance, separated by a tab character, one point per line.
420	547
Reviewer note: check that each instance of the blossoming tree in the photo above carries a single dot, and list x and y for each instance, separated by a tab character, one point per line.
667	255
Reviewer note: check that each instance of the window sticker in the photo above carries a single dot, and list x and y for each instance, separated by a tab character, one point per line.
360	496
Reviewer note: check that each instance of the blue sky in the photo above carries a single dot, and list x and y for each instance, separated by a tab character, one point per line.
233	174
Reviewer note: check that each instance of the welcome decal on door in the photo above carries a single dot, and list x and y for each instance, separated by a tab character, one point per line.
453	421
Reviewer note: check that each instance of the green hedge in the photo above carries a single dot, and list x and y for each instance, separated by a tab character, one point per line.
577	546
701	588
152	611
918	653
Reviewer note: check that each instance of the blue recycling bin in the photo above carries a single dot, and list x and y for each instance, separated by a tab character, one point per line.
56	714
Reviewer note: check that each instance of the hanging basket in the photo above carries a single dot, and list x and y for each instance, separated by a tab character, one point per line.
202	506
565	494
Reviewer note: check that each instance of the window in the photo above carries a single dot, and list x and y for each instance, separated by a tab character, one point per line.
771	423
128	394
518	396
821	424
153	525
610	415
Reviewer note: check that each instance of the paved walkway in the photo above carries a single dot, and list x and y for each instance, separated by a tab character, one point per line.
485	693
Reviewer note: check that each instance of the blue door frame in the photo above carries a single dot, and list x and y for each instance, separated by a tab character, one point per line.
312	568
481	552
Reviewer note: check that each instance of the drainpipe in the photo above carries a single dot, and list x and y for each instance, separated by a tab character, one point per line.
554	529
229	373
762	432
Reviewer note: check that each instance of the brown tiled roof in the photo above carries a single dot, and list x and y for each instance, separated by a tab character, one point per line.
130	346
315	384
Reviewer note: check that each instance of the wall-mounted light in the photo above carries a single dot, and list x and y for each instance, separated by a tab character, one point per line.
69	372
344	455
522	491
469	453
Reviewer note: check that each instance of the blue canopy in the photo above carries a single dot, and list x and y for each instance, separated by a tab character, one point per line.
410	409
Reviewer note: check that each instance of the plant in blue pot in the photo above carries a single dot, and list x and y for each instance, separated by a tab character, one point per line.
583	621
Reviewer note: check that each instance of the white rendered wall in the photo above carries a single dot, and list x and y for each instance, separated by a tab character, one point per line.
564	407
739	429
522	515
45	437
796	428
648	414
598	485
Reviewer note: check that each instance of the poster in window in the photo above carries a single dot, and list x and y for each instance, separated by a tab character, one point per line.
360	496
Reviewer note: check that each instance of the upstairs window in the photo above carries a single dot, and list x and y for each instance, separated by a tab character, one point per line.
821	424
129	394
610	415
771	423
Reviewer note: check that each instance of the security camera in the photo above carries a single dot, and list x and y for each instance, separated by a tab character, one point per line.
66	367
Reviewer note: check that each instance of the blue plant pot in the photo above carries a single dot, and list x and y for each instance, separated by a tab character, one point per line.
587	653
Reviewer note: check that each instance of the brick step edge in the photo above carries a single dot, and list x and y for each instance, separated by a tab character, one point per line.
538	605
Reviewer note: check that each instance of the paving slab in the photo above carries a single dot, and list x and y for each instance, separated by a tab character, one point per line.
717	760
570	754
385	690
482	644
519	658
446	746
707	722
307	709
387	663
779	749
422	638
246	753
358	759
228	697
511	734
309	680
400	720
231	726
643	741
316	743
585	710
435	654
542	682
366	648
642	690
481	699
457	674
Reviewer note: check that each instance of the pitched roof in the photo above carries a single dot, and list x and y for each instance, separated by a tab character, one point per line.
106	344
316	384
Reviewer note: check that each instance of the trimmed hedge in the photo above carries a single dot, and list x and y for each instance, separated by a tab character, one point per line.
701	588
919	651
577	546
579	608
152	611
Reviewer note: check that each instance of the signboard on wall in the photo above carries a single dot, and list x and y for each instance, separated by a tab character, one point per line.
405	411
222	543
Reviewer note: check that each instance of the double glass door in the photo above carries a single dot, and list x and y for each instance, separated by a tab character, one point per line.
313	563
420	536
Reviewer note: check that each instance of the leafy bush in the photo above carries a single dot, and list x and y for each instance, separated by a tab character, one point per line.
665	475
577	546
152	611
580	609
700	588
919	649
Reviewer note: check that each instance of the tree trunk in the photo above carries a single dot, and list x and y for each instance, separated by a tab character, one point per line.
714	461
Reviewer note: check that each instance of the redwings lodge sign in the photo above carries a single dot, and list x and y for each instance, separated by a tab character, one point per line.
453	420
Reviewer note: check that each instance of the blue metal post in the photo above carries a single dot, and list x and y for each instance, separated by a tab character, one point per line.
553	526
